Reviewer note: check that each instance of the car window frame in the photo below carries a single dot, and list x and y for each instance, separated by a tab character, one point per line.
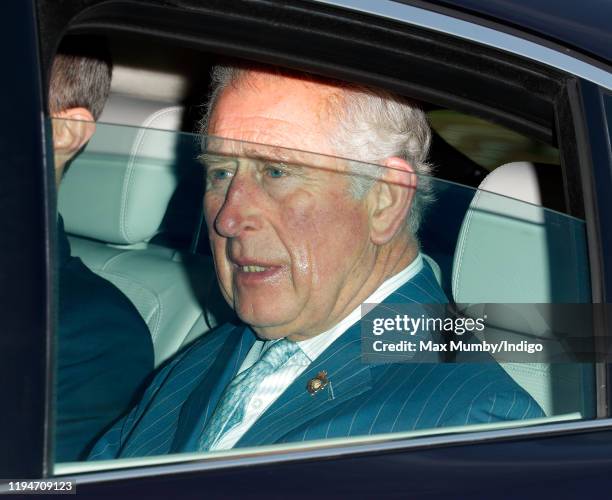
25	270
593	243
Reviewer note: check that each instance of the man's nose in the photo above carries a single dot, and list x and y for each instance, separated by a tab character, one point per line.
240	211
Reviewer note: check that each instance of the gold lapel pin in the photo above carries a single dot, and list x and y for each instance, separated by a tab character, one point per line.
317	383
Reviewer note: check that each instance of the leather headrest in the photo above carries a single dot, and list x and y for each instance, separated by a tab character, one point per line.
118	188
511	249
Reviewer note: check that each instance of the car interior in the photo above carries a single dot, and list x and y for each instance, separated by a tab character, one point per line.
132	206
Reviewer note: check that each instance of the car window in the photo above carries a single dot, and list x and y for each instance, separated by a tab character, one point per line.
463	334
488	144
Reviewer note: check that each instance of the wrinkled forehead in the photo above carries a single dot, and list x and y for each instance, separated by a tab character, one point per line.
280	110
260	80
278	118
220	149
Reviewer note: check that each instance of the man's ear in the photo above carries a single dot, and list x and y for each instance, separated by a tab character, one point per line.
390	199
72	128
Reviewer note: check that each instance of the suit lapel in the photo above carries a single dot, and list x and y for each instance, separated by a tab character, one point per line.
347	376
203	400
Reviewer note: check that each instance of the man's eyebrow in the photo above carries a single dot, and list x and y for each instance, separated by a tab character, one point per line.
206	158
269	153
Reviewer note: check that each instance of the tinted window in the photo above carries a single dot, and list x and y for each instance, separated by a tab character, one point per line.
296	241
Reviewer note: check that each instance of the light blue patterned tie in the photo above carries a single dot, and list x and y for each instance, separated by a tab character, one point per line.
230	410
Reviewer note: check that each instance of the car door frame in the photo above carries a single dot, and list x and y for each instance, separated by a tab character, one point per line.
29	323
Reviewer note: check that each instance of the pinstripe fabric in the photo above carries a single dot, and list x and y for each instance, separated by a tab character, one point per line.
274	385
361	399
264	395
232	407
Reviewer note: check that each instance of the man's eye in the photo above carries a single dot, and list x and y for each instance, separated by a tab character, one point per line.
219	174
275	171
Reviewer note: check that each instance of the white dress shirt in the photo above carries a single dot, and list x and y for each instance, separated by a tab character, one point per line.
275	384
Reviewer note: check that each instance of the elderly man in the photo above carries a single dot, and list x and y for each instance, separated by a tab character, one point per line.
104	348
300	241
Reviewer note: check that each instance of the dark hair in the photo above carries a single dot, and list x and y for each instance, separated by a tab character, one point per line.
81	75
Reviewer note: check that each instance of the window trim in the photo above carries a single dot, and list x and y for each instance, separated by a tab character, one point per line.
442	23
27	202
195	465
439	24
593	150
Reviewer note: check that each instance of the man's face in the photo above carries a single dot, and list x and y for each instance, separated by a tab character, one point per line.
291	245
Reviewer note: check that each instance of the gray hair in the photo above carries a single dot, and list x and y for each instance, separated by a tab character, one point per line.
80	75
373	125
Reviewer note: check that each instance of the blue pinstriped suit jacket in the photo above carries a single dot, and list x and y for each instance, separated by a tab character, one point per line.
367	399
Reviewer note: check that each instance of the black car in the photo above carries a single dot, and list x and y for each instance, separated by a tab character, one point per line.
519	97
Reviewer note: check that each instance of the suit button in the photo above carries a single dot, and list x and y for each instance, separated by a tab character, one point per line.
256	403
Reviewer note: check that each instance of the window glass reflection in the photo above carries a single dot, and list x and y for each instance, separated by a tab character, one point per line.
295	253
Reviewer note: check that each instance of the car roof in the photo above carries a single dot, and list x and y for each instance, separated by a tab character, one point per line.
583	25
